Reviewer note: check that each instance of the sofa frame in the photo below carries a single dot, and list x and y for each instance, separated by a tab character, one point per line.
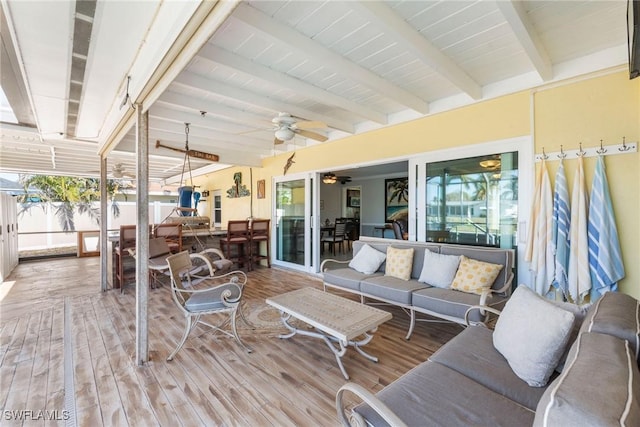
495	296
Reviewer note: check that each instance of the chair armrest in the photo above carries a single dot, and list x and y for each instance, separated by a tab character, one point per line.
198	269
228	290
326	261
505	287
482	309
371	400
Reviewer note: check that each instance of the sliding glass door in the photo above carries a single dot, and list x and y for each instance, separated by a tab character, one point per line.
293	222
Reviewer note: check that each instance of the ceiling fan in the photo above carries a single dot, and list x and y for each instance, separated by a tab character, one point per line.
286	127
118	171
332	178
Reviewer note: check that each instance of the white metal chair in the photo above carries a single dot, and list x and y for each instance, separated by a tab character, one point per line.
223	296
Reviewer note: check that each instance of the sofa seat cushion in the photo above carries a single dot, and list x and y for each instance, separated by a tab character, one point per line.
598	387
452	303
615	314
390	288
433	395
347	278
472	354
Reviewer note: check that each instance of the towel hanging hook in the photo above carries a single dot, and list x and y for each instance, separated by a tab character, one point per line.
562	154
581	152
544	155
624	147
601	150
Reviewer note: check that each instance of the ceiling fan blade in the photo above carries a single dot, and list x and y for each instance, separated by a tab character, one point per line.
278	141
310	125
312	135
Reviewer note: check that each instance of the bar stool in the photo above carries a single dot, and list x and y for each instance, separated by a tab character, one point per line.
237	235
260	233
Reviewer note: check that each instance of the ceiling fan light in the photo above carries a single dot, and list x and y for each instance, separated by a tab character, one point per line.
284	134
490	163
329	178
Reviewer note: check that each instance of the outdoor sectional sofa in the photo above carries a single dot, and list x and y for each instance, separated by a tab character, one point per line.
468	381
414	295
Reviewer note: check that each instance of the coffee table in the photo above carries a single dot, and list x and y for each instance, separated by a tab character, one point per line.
335	319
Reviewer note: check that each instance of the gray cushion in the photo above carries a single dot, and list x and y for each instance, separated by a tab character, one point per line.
210	300
472	354
346	278
532	334
433	395
598	387
390	288
618	315
452	303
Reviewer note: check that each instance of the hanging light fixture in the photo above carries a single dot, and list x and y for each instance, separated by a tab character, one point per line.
490	163
329	178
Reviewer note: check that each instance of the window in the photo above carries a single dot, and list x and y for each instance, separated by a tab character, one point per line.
473	200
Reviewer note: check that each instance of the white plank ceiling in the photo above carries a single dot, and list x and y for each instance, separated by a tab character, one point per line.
352	65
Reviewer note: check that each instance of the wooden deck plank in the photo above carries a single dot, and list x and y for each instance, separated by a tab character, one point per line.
212	380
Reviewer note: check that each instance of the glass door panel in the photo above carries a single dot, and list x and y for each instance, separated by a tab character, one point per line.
290	221
473	200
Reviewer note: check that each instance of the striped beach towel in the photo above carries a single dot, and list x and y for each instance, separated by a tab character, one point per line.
605	257
539	251
560	230
579	277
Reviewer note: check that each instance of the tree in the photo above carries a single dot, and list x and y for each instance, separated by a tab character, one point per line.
71	193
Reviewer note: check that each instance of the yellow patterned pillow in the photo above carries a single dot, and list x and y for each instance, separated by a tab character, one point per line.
399	263
473	276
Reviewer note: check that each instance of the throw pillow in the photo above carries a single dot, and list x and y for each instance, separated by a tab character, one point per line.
399	263
367	260
473	276
438	269
532	334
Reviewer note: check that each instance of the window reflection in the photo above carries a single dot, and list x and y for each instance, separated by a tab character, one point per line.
473	200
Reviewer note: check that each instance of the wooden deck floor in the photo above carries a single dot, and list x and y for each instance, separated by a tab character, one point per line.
65	345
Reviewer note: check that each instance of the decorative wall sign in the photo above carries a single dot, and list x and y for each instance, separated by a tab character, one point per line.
396	198
261	189
238	189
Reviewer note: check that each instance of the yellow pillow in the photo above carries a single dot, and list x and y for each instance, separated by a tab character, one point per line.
399	263
473	276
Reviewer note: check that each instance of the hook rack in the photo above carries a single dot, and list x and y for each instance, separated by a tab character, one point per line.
624	147
562	154
602	150
544	155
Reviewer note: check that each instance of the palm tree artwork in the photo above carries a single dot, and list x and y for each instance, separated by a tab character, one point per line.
396	198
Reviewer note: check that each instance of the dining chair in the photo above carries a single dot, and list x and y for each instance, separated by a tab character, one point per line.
260	233
222	295
337	237
172	234
238	236
126	240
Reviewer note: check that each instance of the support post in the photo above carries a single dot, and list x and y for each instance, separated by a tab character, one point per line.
104	214
142	236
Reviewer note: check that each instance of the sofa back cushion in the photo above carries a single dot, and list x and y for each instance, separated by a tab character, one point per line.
618	315
504	257
418	252
596	387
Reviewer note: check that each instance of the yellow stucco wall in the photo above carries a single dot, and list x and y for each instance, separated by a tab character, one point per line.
605	107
